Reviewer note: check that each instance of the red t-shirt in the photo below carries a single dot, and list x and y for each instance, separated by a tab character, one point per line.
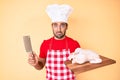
53	44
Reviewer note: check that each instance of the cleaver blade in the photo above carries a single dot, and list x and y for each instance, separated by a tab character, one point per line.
27	44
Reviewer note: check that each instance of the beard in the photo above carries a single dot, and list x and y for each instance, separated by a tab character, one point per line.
59	35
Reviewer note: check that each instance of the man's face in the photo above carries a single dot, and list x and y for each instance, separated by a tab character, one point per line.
59	29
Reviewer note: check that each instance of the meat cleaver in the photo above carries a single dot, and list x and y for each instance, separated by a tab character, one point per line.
27	44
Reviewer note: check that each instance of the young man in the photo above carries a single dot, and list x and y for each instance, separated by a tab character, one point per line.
55	51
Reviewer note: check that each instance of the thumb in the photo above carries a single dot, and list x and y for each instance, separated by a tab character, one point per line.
35	57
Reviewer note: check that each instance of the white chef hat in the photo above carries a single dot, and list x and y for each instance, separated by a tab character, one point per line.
59	13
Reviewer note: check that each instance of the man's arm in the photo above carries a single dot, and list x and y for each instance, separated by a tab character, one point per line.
41	63
36	62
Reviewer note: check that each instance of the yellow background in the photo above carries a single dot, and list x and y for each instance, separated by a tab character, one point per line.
94	23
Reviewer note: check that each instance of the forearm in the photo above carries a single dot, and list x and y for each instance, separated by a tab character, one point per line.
39	66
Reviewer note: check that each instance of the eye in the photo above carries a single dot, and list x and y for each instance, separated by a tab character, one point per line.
63	25
55	25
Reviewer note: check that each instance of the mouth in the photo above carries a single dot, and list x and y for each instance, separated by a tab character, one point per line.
59	33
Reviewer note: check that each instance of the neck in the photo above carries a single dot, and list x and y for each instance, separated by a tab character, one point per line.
59	38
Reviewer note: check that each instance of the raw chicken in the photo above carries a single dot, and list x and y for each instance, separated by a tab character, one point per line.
81	56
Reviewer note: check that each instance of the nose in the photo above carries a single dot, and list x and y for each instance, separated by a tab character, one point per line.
59	28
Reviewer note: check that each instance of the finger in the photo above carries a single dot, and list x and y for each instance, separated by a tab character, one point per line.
35	55
30	55
31	62
31	58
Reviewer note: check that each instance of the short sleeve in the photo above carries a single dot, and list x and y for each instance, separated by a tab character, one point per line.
43	50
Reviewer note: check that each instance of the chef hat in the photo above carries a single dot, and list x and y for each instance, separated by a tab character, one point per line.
59	13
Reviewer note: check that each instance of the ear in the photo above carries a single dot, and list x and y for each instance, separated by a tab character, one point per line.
66	27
